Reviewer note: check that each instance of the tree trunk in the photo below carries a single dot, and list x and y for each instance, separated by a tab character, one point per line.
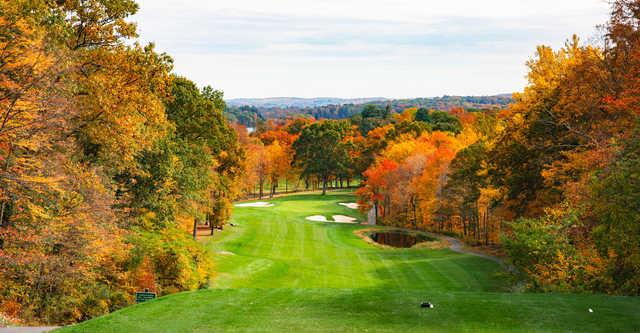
2	223
486	227
477	217
261	193
195	228
4	202
272	188
386	206
464	224
375	206
324	185
415	213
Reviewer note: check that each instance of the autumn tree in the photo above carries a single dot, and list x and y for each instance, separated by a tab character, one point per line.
466	179
278	139
615	186
616	204
407	179
60	236
577	123
372	193
279	159
82	107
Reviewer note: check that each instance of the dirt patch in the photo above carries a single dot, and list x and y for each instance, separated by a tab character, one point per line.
460	247
433	245
254	204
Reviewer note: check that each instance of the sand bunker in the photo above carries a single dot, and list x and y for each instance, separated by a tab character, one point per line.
318	218
351	205
255	204
226	253
344	219
336	219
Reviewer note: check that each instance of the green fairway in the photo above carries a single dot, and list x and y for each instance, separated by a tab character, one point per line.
278	272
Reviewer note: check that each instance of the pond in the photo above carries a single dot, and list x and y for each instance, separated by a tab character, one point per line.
398	238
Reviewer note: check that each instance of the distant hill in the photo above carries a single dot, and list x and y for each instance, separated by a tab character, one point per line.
296	102
251	111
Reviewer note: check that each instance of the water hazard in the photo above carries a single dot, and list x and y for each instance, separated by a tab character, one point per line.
398	238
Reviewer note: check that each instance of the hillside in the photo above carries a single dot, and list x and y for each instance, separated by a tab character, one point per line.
280	272
250	111
296	102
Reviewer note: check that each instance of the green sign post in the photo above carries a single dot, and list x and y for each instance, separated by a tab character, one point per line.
144	296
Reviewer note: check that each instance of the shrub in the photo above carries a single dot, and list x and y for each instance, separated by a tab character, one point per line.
548	249
179	262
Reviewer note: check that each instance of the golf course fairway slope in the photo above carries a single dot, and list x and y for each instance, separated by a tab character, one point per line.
278	272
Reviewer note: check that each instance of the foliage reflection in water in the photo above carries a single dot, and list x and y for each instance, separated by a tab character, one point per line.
398	238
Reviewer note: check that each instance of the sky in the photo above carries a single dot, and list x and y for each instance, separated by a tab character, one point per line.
362	48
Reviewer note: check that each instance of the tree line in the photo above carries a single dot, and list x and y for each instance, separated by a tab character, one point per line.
320	153
553	178
107	161
254	116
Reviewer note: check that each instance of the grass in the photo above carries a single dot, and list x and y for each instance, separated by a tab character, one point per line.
293	186
287	274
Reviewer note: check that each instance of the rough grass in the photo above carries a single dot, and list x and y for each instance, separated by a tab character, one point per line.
287	274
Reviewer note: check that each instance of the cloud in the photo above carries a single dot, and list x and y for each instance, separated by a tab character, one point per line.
361	48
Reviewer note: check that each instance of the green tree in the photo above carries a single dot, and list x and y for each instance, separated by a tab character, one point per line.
439	120
196	165
423	115
617	207
443	121
320	150
176	178
371	117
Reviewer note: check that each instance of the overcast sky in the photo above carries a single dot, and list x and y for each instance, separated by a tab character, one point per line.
361	48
